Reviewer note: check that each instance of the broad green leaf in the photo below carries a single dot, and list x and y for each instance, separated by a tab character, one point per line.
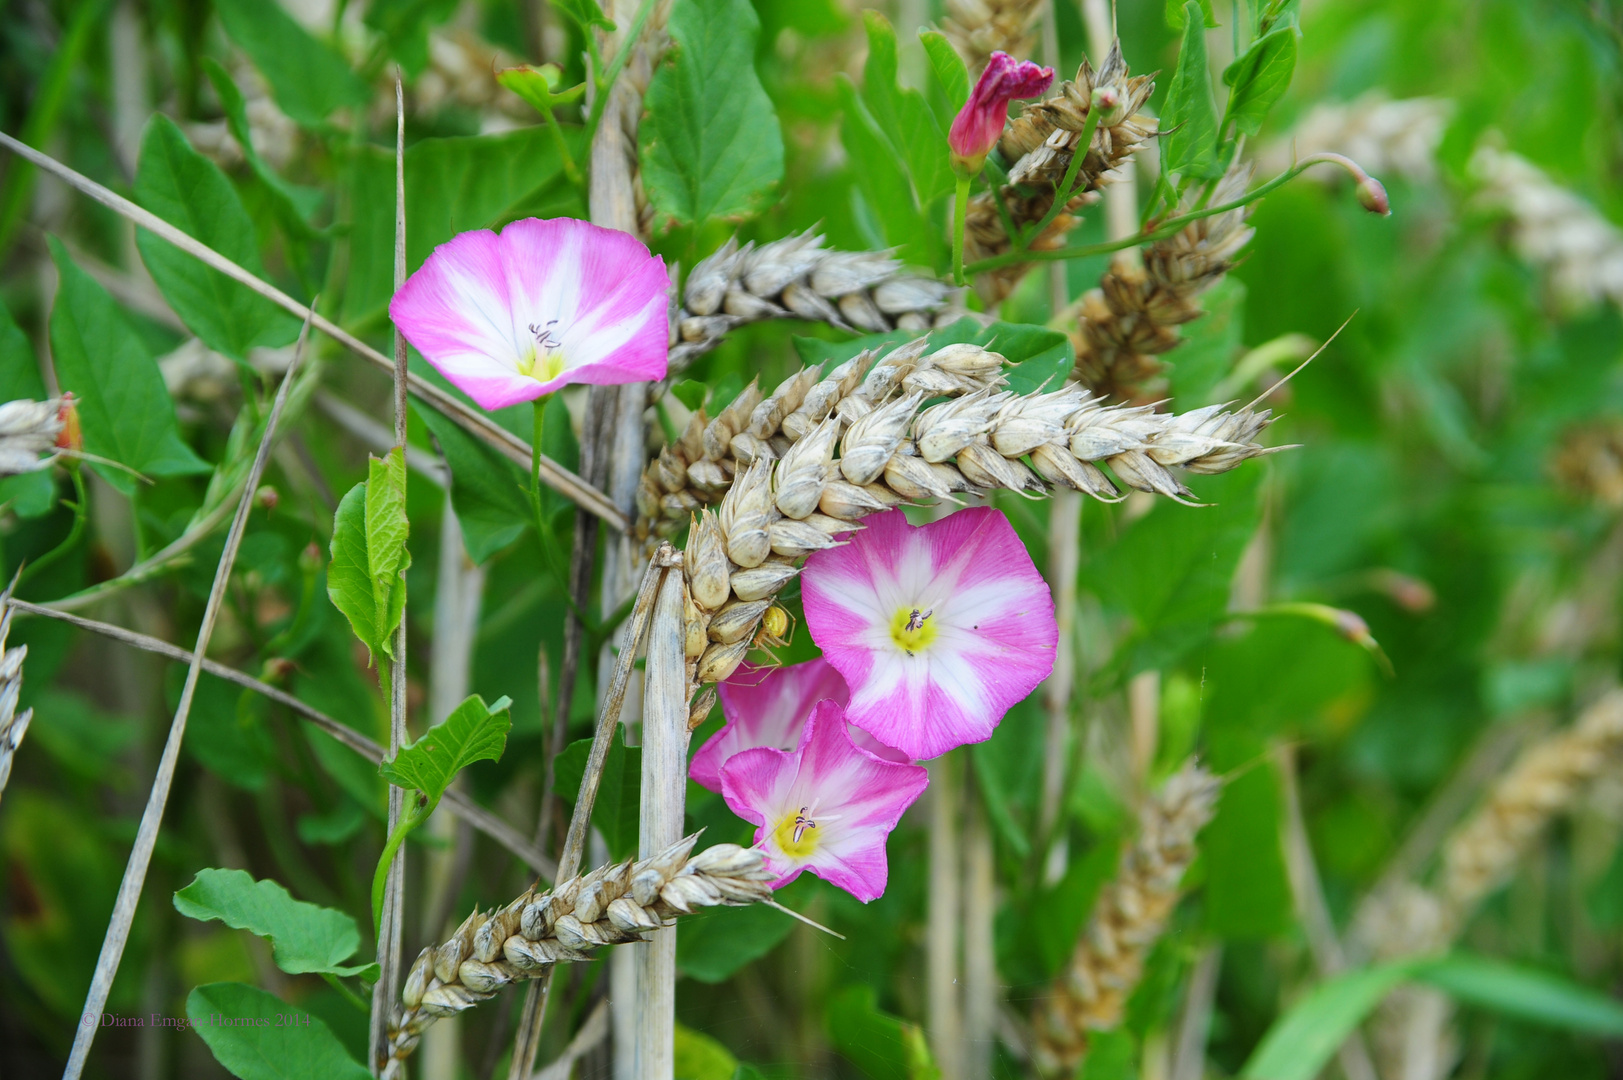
1260	78
305	938
947	67
125	410
227	732
349	586
28	495
308	79
716	943
1190	116
618	807
190	192
903	116
1112	1055
1526	993
1247	893
711	145
452	185
404	25
295	204
883	183
1210	345
690	392
487	490
699	1057
473	732
1178	16
586	14
256	1036
881	1046
1301	1041
386	532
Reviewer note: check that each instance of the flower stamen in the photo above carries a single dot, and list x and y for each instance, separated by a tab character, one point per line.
912	630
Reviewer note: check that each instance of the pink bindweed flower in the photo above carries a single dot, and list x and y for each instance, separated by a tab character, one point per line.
825	806
512	317
938	630
979	124
770	707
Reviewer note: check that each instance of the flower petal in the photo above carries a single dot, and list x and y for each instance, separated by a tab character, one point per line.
765	707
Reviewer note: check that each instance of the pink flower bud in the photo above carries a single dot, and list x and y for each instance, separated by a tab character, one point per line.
1372	196
978	125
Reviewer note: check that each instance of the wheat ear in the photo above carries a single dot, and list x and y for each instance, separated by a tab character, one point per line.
1039	145
27	430
1386	137
767	465
1128	917
612	905
979	28
796	277
1145	296
13	724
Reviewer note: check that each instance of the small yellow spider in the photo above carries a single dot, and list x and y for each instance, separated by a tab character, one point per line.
776	632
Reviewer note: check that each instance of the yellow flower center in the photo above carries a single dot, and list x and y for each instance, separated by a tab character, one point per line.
796	835
546	359
912	629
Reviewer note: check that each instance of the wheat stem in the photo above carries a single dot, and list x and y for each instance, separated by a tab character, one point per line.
129	889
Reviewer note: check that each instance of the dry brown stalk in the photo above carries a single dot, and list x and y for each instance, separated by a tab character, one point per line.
796	277
1546	780
1129	915
767	465
13	724
1039	144
979	28
27	430
1589	462
1145	296
612	905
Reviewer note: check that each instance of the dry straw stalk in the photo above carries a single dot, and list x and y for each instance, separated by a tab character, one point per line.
612	905
13	724
1130	914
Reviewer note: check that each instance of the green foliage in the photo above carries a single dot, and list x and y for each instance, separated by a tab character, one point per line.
1248	893
714	944
699	1057
473	732
486	488
617	810
305	938
711	147
405	24
882	1046
28	495
1260	78
1190	118
254	1036
295	204
366	580
903	118
1037	356
309	79
123	406
947	67
190	192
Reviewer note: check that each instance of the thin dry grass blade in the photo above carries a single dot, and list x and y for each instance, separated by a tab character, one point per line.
129	890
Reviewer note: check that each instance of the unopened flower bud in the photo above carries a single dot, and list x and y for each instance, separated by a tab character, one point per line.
277	669
72	436
979	124
1112	105
1372	197
267	497
310	558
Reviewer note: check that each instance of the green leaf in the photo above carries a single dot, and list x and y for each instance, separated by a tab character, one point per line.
1190	115
1301	1041
536	85
699	1057
305	938
586	14
883	183
308	79
19	368
295	204
487	490
1260	78
947	67
404	25
690	392
903	116
618	807
1526	993
452	185
386	532
123	406
1248	894
349	586
473	732
190	192
255	1036
881	1046
1178	17
713	945
1210	344
711	145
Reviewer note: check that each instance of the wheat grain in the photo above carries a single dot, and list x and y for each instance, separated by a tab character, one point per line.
1589	462
1145	296
796	277
1128	917
1039	145
612	905
13	724
979	28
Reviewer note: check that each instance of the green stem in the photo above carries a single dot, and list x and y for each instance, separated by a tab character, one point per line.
571	170
414	816
345	992
960	210
543	532
601	100
79	512
1169	227
1063	194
